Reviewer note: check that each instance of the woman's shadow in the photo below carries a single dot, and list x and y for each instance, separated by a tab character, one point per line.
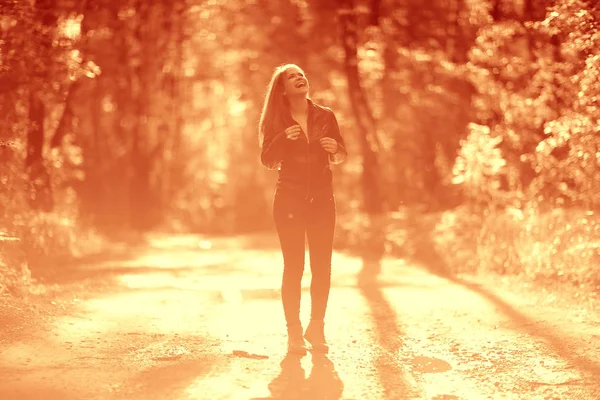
292	383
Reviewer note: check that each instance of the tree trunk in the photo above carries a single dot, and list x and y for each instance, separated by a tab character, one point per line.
40	195
177	100
140	192
66	120
367	129
366	124
496	11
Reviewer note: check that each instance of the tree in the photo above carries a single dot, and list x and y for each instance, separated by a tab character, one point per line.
40	196
532	70
367	126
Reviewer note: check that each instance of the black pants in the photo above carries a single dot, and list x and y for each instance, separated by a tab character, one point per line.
299	220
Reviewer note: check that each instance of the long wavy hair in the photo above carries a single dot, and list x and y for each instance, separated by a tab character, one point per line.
275	113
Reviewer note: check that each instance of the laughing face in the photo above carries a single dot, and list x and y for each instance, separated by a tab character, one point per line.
295	83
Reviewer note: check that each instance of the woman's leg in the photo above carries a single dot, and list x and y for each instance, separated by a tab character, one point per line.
320	226
289	216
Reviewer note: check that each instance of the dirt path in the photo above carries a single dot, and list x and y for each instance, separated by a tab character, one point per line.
191	319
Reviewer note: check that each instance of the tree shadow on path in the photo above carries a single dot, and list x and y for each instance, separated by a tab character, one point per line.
58	270
431	260
113	264
168	381
292	383
36	392
392	375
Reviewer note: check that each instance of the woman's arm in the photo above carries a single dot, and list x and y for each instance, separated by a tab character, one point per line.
272	150
334	132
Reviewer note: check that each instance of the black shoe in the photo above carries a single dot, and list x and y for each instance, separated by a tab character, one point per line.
296	343
315	335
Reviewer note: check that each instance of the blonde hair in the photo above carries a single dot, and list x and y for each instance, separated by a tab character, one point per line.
275	103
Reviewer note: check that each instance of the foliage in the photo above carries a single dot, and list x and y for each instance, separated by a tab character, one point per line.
559	246
535	83
480	165
14	273
142	115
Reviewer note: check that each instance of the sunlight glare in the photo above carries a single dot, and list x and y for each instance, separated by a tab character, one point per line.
7	22
108	105
189	71
71	27
236	107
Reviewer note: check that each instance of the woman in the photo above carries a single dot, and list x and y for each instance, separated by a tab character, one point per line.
300	139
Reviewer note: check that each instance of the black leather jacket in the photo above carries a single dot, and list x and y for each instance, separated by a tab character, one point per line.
303	164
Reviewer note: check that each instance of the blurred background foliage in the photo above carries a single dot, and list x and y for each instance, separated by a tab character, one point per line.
472	125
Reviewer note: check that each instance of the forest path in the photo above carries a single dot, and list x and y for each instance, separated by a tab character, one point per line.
191	318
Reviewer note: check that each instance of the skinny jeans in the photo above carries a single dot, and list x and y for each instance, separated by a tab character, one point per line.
298	221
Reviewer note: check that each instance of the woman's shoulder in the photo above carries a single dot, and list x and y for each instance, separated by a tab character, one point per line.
321	108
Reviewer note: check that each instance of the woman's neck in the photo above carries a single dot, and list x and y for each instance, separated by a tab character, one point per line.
298	105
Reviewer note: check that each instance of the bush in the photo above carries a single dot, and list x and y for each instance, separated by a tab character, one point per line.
445	241
49	236
559	246
556	246
455	237
14	273
562	245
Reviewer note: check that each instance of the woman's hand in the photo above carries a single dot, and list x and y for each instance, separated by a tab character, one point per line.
293	132
329	145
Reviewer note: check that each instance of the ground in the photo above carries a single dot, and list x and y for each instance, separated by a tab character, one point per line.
188	317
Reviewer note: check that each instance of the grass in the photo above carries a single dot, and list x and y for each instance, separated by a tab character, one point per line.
555	247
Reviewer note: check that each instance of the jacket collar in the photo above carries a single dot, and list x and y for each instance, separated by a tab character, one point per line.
311	107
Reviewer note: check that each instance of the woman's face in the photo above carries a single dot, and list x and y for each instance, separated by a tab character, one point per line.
294	82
